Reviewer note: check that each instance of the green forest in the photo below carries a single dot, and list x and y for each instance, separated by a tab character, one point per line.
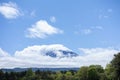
92	72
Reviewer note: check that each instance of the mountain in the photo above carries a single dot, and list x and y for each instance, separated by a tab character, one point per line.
60	53
54	51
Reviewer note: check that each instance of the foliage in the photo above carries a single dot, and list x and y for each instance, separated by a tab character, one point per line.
82	73
109	72
92	74
115	63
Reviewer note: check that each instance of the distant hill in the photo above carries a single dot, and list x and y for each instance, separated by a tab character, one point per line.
41	69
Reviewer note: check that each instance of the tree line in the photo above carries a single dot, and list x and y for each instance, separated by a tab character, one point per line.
92	72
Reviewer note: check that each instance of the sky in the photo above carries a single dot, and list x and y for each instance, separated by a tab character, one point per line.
87	27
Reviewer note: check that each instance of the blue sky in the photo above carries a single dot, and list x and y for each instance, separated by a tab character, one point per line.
72	23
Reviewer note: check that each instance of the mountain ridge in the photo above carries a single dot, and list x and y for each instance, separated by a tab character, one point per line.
35	69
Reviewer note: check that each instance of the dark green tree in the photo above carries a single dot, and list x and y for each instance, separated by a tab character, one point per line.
92	74
59	76
100	71
1	75
116	65
30	75
109	72
13	76
98	68
68	76
82	73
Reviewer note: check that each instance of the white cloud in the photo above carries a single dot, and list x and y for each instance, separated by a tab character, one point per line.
9	10
42	29
100	56
86	31
33	57
53	19
89	30
3	53
97	28
39	50
105	14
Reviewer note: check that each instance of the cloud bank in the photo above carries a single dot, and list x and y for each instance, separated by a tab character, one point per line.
41	29
33	56
9	10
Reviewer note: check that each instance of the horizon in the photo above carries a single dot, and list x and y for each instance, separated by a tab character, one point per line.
30	28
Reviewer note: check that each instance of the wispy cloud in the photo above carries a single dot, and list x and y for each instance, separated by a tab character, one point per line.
10	10
105	14
99	27
3	53
86	31
41	29
32	56
89	30
53	19
93	28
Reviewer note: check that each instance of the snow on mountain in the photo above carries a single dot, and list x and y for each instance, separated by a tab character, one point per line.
55	50
61	53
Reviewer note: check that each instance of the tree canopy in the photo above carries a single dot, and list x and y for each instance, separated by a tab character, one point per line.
116	65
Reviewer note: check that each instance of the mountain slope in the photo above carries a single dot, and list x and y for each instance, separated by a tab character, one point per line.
60	54
53	51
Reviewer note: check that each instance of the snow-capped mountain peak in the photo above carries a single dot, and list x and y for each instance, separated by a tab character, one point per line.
61	53
55	50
